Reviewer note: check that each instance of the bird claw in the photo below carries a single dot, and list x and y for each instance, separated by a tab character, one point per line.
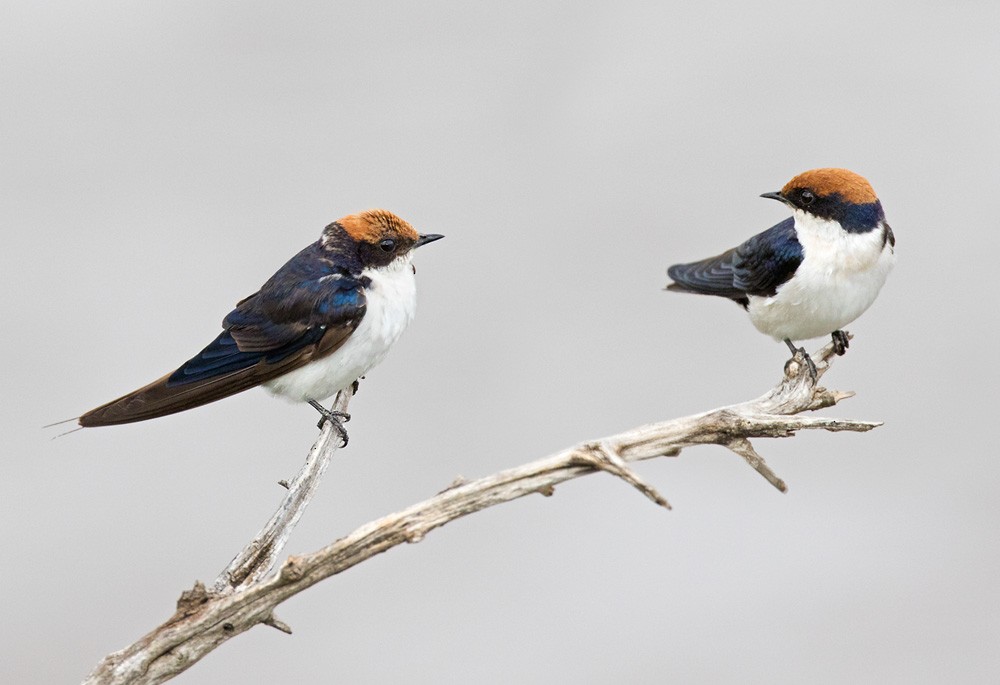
841	341
336	419
810	364
799	354
802	357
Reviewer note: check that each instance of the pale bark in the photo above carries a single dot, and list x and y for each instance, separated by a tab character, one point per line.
245	595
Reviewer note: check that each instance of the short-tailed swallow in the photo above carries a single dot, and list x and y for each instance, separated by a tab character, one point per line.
326	317
811	274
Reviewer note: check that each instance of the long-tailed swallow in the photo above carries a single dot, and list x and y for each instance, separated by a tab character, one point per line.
811	274
326	317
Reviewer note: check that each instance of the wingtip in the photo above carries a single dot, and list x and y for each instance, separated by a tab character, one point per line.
86	421
106	415
678	273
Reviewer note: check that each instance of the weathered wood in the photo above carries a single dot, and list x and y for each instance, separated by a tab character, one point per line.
257	559
243	597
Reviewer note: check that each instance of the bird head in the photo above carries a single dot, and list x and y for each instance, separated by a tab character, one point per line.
379	236
834	194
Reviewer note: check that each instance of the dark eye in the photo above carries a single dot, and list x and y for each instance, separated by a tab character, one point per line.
807	197
387	245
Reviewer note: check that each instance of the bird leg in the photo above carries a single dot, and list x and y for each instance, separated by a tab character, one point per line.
337	419
841	341
805	356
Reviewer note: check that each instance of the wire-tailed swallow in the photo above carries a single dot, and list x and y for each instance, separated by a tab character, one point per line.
326	317
811	274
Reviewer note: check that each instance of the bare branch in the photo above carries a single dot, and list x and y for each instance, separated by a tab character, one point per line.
743	448
206	619
257	559
603	456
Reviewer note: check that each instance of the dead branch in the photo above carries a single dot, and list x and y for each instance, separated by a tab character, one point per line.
257	558
242	596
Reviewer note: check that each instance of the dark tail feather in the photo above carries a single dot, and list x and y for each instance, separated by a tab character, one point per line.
161	398
213	375
59	423
78	428
681	288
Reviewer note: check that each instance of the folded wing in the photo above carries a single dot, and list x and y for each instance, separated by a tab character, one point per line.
304	312
757	267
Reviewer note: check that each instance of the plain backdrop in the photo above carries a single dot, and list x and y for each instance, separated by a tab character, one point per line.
160	160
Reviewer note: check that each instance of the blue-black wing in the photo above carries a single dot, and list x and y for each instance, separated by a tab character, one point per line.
757	267
304	312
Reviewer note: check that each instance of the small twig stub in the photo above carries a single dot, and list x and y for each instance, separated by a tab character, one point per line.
246	593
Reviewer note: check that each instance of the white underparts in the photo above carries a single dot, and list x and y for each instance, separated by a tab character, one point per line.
391	304
839	278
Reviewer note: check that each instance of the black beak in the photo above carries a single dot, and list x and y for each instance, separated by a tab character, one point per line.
775	196
427	238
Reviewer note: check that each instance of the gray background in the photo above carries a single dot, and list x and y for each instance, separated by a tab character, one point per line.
160	161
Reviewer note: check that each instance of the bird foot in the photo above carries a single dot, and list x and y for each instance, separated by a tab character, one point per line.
800	355
337	419
841	341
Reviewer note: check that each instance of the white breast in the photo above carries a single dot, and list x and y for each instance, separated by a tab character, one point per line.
839	278
392	302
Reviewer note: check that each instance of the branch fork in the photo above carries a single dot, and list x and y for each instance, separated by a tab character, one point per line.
246	592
